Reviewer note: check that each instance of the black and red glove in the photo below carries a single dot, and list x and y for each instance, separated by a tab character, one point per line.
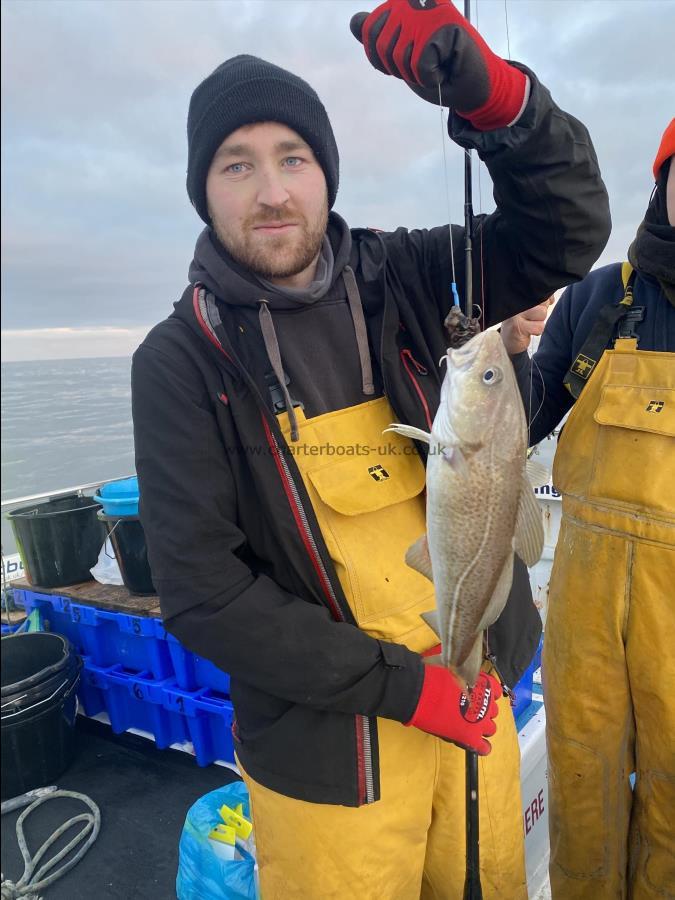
427	43
447	711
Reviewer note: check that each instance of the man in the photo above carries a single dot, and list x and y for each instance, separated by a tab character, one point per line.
608	351
277	514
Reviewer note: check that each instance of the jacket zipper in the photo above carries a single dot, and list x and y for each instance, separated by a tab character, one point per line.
364	756
407	358
303	524
368	795
364	752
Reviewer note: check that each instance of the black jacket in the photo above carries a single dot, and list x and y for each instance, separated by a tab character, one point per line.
242	571
541	382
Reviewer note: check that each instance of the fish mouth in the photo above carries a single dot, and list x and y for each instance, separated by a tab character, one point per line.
463	356
487	346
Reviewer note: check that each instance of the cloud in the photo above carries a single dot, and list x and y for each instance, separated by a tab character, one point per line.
70	343
97	228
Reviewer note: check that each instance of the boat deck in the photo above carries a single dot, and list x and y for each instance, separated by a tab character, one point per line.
143	794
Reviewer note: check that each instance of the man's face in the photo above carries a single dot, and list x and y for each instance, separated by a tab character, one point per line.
268	202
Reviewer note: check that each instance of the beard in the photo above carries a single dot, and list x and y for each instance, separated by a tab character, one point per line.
274	257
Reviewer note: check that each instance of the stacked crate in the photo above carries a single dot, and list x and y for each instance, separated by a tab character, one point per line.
142	677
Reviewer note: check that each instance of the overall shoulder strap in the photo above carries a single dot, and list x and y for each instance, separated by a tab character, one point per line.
627	275
596	343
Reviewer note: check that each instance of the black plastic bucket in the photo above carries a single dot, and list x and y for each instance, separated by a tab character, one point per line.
128	539
40	674
59	541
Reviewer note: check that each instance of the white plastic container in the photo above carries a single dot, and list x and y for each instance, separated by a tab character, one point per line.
534	790
550	503
540	577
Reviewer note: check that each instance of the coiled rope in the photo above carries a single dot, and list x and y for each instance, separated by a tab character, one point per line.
32	881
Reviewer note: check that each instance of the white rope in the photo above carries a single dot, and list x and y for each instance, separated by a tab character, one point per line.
33	881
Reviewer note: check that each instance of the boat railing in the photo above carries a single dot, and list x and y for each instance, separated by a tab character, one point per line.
78	489
7	549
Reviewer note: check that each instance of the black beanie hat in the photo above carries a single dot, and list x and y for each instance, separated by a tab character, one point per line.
243	90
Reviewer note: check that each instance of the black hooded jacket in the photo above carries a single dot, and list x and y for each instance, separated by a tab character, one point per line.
242	571
652	254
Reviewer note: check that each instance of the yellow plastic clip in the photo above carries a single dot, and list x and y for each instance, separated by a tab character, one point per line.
225	834
626	272
236	819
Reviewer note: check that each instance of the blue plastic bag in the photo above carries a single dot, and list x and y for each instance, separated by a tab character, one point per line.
201	874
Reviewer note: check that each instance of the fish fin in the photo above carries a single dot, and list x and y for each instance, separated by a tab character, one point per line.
537	473
418	558
431	618
410	431
528	540
469	670
500	595
453	455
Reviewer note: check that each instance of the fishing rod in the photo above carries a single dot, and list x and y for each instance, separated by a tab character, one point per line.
472	885
468	214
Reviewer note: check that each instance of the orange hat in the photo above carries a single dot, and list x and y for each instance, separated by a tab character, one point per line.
666	148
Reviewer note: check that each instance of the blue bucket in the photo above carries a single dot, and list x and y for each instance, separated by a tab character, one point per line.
119	498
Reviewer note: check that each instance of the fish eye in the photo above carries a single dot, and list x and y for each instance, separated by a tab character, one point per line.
492	376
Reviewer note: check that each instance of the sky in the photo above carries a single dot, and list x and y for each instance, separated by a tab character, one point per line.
97	229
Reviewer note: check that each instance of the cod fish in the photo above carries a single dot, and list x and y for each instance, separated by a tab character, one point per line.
481	508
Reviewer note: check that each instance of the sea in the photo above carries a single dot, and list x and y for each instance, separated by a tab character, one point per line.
65	423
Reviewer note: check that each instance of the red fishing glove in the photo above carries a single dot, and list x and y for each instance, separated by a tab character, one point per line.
445	710
427	43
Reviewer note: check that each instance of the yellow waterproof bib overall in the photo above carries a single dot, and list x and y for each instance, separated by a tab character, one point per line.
367	491
609	661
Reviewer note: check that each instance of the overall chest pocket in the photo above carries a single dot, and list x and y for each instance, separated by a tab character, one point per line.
634	458
371	508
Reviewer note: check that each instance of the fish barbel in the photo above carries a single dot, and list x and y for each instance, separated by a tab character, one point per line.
481	508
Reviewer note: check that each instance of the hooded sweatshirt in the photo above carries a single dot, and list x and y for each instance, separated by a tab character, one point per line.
653	250
317	330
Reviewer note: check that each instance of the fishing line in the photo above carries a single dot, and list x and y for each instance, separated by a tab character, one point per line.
453	286
522	332
480	227
533	364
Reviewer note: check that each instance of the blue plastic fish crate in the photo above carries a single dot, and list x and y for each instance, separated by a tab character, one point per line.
135	642
131	700
194	672
10	629
209	718
523	689
55	613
